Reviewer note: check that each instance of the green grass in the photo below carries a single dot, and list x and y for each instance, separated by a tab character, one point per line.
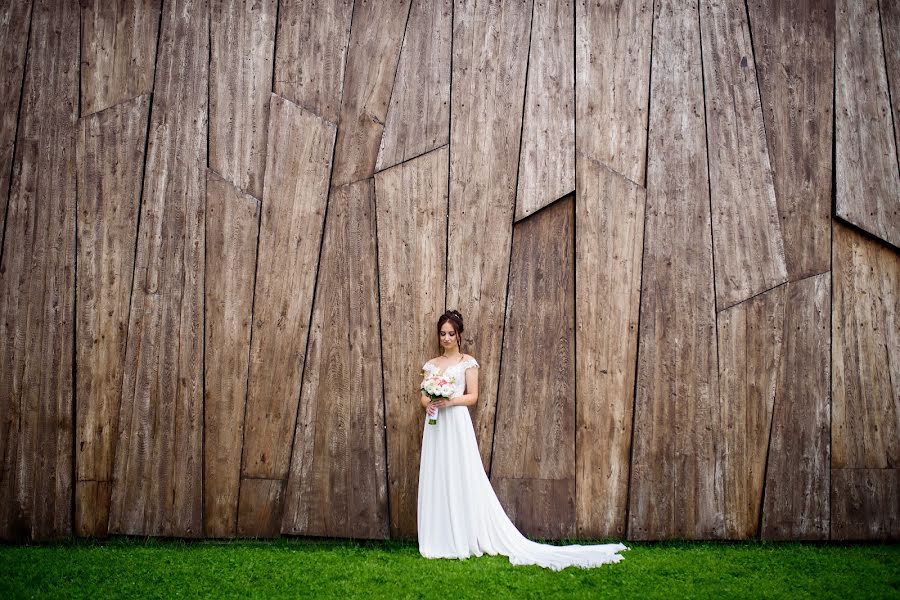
303	567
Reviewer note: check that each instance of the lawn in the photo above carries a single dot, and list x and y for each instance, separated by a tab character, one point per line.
320	568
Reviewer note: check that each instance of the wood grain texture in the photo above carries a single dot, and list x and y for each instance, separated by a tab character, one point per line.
298	163
157	487
865	384
118	52
747	240
490	52
240	83
534	441
794	48
795	503
418	117
411	200
609	246
890	36
677	486
547	156
865	504
751	353
338	480
232	226
311	54
612	82
868	180
110	155
260	507
37	288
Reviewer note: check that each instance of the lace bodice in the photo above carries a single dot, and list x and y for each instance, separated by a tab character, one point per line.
458	371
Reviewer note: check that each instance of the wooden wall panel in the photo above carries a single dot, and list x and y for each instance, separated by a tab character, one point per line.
795	503
240	83
609	247
547	156
490	53
865	504
794	49
418	118
298	163
411	200
232	226
111	146
890	36
534	442
157	486
118	52
677	488
868	180
338	480
37	288
612	82
747	242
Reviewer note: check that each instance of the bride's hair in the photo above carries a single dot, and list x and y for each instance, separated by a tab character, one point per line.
456	319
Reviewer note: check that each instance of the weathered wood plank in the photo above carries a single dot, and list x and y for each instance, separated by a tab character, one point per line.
490	52
866	353
311	54
609	237
534	442
118	52
547	156
794	48
157	487
751	351
747	243
411	201
232	225
260	507
300	149
676	478
240	83
868	180
865	504
612	71
418	118
338	482
110	168
890	35
795	503
37	288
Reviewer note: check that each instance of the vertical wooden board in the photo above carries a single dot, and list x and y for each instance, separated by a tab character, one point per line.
92	508
612	83
890	35
677	487
865	383
609	245
311	54
240	83
865	504
110	167
260	507
795	503
537	506
157	471
547	155
794	48
37	288
375	40
338	482
232	222
747	242
751	351
418	117
490	53
411	201
868	180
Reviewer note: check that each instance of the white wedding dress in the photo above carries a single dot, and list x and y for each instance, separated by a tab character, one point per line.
459	514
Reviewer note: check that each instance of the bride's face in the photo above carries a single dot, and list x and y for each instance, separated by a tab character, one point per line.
448	336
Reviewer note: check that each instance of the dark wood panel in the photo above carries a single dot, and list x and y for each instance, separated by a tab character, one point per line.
537	505
865	504
890	37
260	507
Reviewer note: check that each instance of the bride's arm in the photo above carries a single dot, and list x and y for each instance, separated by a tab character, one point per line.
471	395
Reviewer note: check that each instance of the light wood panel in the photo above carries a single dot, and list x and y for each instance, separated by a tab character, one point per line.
865	504
338	480
609	247
411	201
157	487
490	52
110	153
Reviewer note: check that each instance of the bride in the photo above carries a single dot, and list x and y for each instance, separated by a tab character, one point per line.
458	512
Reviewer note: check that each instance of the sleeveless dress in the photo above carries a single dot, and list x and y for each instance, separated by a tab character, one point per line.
459	514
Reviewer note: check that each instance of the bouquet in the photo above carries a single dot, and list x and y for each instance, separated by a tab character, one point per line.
437	386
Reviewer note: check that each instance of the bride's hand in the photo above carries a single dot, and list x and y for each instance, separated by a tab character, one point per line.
434	405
